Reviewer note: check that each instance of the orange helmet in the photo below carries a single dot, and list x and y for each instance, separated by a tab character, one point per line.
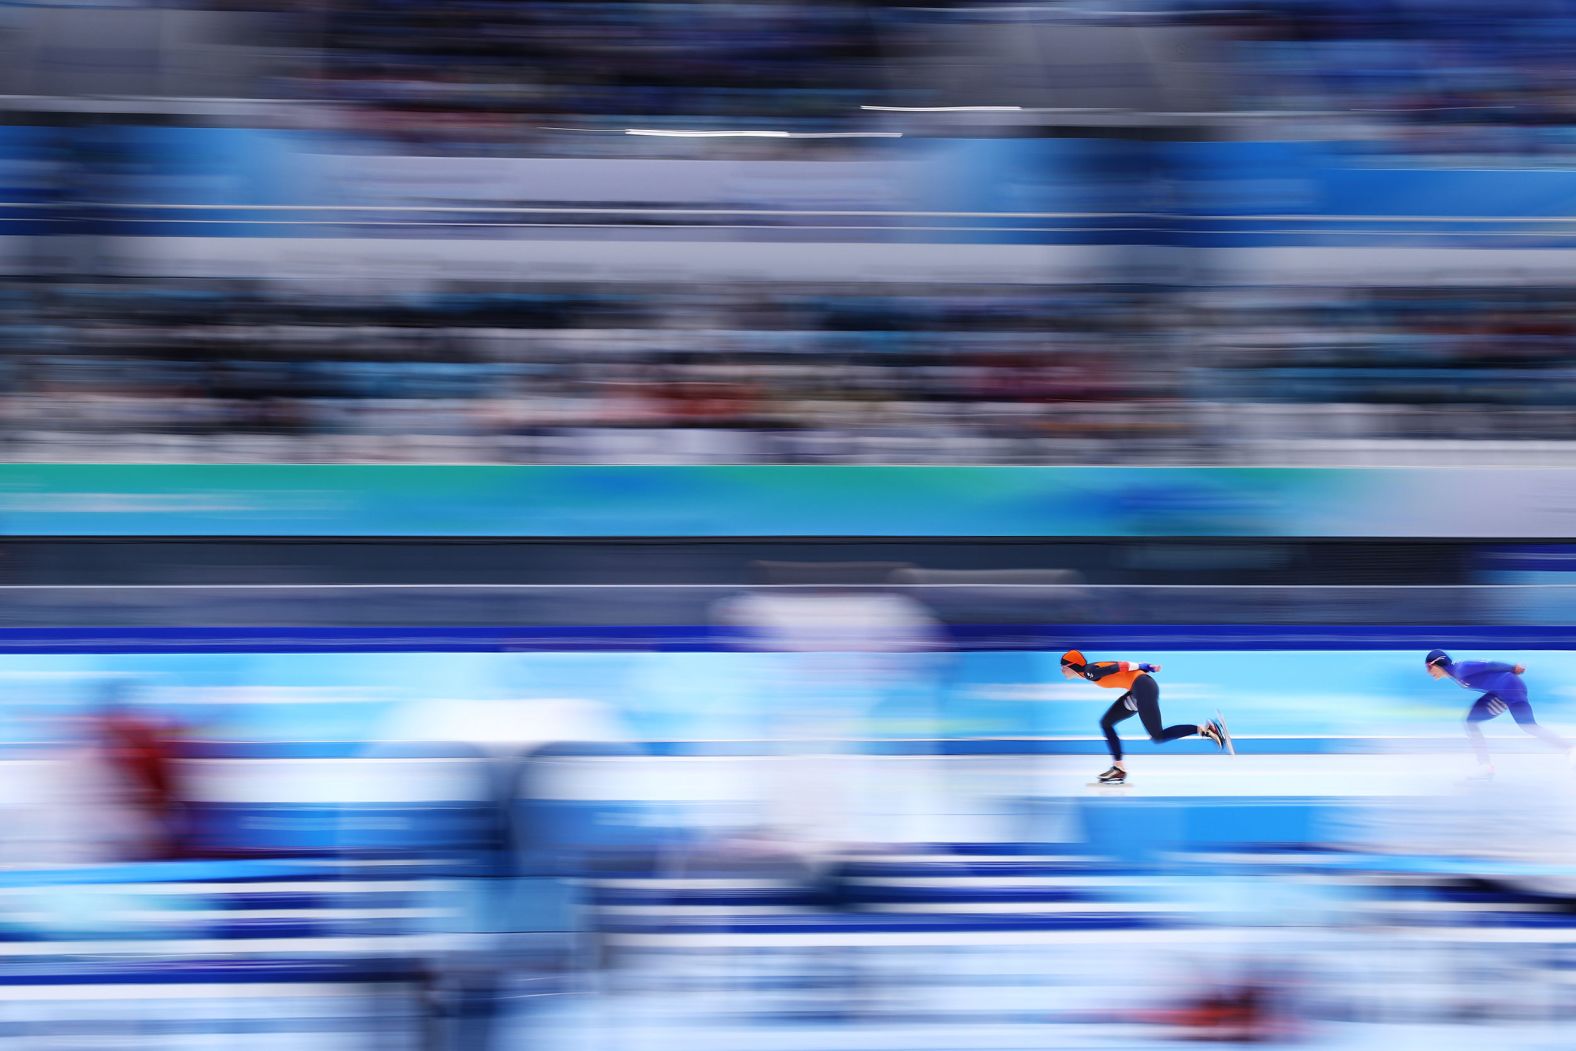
1075	658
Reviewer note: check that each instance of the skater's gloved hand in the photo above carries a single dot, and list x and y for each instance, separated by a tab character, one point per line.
1146	666
1518	669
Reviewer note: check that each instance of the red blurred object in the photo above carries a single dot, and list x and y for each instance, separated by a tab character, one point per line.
141	750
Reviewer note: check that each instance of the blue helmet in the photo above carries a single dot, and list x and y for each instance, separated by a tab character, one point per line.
1437	657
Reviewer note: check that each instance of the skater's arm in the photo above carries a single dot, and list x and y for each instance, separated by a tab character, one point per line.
1096	672
1476	667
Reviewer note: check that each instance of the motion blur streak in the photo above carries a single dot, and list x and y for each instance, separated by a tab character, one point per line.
554	524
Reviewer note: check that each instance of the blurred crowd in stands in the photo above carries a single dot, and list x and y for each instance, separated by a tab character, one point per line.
180	371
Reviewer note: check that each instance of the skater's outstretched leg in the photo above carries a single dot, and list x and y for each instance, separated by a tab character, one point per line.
1522	712
1146	695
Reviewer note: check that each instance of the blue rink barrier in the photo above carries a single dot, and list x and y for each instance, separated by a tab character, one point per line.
239	871
444	829
571	828
327	828
1141	829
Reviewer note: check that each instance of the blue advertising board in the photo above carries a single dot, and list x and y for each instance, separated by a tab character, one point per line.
820	500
